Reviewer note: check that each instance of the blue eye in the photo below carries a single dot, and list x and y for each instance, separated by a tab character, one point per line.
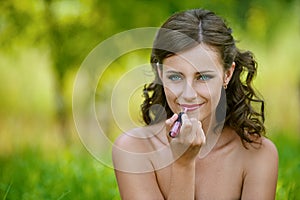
175	77
204	77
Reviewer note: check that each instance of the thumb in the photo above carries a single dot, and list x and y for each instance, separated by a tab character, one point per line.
201	133
169	122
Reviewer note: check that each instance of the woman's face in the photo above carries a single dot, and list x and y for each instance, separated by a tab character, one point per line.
193	80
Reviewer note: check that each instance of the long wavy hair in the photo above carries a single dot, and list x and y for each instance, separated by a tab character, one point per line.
185	30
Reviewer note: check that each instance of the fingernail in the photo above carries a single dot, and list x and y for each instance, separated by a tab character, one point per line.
200	124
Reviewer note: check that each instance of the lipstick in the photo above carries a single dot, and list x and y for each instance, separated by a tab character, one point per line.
176	127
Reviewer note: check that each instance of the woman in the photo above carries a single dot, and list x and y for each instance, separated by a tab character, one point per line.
220	151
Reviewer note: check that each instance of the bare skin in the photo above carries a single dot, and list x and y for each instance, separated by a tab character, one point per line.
229	171
193	80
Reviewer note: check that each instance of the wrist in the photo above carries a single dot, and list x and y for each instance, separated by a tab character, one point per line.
179	165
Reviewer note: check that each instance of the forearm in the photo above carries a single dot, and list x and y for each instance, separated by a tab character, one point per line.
182	183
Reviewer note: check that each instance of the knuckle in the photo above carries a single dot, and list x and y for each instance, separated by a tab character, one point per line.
193	120
187	124
199	141
168	122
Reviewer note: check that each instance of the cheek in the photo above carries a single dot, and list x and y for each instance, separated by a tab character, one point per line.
172	90
210	91
171	93
215	95
171	98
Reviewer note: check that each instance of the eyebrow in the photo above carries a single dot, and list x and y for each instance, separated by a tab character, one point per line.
201	72
173	72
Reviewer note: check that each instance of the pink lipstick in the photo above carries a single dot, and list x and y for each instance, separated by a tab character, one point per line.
176	127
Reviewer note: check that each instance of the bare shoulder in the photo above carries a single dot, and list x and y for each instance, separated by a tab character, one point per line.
141	139
262	152
133	140
268	147
262	149
137	143
133	166
129	152
260	170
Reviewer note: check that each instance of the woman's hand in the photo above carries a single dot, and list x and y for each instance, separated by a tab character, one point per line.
187	144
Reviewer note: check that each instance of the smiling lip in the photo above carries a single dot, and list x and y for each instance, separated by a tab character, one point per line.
190	107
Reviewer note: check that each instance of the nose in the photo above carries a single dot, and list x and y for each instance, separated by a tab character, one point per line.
189	93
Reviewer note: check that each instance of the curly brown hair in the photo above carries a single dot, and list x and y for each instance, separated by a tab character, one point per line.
184	30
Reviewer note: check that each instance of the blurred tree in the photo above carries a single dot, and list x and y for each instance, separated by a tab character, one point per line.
71	28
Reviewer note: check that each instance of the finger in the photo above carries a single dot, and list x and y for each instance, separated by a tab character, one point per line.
184	117
194	137
186	134
169	122
200	133
186	126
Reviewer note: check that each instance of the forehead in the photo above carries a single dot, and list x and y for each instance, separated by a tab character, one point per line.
199	58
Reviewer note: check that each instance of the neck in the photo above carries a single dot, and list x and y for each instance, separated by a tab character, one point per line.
212	130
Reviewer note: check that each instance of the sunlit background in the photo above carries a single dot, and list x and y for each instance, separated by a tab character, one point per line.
44	42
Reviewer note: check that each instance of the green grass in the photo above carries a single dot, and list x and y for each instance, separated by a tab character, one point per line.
33	172
288	186
70	174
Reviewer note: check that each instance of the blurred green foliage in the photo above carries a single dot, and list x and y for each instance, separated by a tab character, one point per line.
32	174
71	173
44	42
288	186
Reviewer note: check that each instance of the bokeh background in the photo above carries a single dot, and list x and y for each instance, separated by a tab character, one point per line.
44	42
